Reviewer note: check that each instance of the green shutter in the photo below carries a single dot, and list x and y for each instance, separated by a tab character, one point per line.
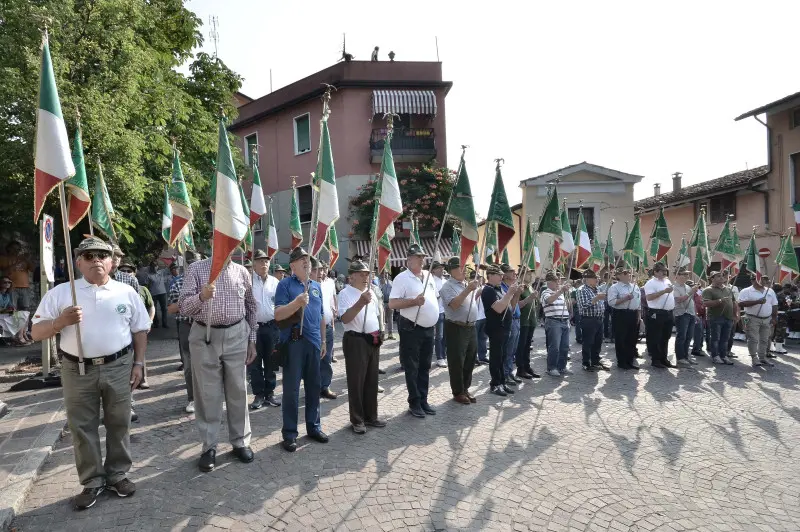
252	141
303	131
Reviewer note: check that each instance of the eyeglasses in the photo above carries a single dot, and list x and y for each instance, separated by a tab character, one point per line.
91	255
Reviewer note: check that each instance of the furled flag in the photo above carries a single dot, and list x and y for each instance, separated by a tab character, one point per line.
102	210
505	257
555	255
567	243
584	245
333	245
272	233
78	201
179	201
455	244
787	261
188	238
53	161
258	207
536	256
500	212
683	254
796	209
702	254
751	259
294	219
529	248
737	244
247	241
660	242
550	222
385	248
327	207
166	217
390	206
462	209
231	223
414	233
635	246
596	258
608	252
725	246
491	242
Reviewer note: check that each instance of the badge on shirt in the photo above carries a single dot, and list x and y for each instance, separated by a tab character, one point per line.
240	291
122	309
315	292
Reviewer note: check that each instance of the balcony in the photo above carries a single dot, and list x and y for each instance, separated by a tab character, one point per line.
409	145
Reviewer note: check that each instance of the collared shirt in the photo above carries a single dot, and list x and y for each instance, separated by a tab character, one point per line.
556	309
590	309
158	282
662	302
685	307
174	295
619	290
408	286
528	318
439	282
495	321
481	311
264	294
468	311
516	314
329	299
288	289
347	298
128	279
111	314
233	298
758	311
725	310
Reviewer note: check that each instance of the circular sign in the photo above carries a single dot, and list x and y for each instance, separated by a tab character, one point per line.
764	252
48	230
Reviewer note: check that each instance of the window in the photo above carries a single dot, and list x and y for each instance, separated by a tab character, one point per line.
250	145
795	158
588	218
719	207
794	118
302	134
259	225
304	203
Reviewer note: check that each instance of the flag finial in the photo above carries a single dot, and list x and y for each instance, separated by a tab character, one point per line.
499	160
294	181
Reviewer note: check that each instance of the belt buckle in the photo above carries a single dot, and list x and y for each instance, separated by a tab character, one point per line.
99	361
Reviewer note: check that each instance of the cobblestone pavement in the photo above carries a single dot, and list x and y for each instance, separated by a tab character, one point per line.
714	448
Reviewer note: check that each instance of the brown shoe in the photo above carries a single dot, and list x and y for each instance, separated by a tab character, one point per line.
327	394
123	488
87	498
461	398
471	397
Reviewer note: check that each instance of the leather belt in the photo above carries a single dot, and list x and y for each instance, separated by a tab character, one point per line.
201	324
269	323
461	323
99	361
556	318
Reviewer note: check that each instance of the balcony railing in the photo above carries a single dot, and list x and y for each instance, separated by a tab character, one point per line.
408	144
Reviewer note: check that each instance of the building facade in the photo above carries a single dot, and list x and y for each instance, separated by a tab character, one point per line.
285	127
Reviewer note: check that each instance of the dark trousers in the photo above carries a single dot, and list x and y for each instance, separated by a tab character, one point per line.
416	351
480	334
440	342
160	302
497	345
262	374
361	365
302	362
720	333
576	320
608	327
592	334
325	365
659	331
462	346
626	334
699	336
524	348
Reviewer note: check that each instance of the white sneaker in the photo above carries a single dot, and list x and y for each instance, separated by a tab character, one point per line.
189	408
380	389
717	360
554	373
441	363
781	350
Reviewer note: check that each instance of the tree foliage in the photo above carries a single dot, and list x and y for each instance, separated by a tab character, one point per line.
117	62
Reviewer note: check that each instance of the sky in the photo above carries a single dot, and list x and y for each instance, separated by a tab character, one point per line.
641	87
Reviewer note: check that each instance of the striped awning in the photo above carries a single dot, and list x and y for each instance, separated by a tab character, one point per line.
400	249
404	102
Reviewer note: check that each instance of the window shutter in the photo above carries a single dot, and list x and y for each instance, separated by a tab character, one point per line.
302	128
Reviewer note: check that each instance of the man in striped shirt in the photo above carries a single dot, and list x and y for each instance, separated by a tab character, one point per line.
591	305
556	325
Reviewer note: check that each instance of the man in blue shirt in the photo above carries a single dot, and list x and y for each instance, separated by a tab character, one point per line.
304	349
509	279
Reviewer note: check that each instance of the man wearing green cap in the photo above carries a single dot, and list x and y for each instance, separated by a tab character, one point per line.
497	301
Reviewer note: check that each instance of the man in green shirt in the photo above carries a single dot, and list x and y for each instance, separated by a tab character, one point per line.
722	314
527	324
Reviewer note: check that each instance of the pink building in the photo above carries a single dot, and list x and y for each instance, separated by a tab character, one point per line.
285	126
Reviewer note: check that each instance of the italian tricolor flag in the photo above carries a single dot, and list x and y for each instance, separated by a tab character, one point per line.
230	222
294	220
567	242
272	234
584	244
391	206
166	217
78	200
53	160
333	245
258	207
327	197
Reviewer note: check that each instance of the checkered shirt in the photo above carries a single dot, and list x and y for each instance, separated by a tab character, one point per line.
128	279
174	295
584	295
233	299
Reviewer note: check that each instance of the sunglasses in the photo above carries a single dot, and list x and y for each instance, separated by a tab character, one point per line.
91	255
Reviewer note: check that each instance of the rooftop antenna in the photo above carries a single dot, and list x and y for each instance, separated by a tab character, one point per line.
213	21
437	49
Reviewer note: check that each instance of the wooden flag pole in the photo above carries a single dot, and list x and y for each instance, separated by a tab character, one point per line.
62	193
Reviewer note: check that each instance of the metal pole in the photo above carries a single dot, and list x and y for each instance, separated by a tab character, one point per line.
62	194
43	286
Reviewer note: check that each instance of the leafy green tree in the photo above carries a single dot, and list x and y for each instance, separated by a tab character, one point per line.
117	62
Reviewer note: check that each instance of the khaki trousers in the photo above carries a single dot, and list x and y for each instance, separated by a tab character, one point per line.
758	332
108	384
219	373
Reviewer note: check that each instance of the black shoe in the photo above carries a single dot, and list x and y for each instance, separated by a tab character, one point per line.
515	378
179	368
271	401
428	409
534	374
378	423
381	371
333	359
416	411
86	499
699	353
327	394
507	389
319	436
601	366
257	403
244	454
590	369
498	390
510	381
624	366
208	460
732	355
524	374
658	365
771	355
134	417
668	364
289	445
634	365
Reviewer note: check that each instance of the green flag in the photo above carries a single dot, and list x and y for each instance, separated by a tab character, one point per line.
725	245
751	259
505	256
455	243
462	210
700	238
550	222
166	217
491	241
294	220
608	252
102	210
635	247
529	247
683	253
596	258
500	212
787	261
660	242
78	201
182	214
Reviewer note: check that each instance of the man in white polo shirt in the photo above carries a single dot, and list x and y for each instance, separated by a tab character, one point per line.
419	313
761	306
112	317
660	304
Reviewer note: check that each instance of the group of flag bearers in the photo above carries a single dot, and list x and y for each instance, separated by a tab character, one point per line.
217	296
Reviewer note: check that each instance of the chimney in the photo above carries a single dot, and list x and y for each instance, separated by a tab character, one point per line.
657	189
676	181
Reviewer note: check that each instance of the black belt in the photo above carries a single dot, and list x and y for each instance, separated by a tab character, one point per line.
461	323
368	336
625	309
660	310
99	361
556	318
269	323
200	323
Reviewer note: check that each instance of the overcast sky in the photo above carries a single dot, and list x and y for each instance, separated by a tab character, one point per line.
624	84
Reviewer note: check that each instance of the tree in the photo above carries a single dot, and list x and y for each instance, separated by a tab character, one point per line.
117	62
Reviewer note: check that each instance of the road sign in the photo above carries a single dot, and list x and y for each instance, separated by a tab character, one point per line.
764	252
47	247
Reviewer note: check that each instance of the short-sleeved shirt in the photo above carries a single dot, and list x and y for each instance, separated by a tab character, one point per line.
619	290
664	301
288	289
468	311
174	295
439	282
759	311
348	297
584	296
111	314
495	321
726	309
147	298
328	300
556	309
408	286
157	282
685	307
264	294
128	279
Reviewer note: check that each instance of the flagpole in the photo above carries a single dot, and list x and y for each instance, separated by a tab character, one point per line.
70	271
444	221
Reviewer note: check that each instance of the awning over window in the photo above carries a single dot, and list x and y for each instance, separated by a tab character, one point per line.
400	248
404	102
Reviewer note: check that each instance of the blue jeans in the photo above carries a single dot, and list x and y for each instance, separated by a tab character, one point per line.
684	325
439	345
557	333
262	374
325	368
720	334
480	331
302	362
699	336
510	351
